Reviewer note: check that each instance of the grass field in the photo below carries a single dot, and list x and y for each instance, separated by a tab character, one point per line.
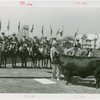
23	80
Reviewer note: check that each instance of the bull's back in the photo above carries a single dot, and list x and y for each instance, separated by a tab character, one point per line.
77	61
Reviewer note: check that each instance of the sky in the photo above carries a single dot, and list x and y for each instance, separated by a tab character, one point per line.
86	20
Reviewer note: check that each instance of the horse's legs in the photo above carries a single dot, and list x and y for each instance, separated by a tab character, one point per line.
32	62
5	61
12	61
2	59
45	62
50	64
42	63
15	60
25	61
38	65
36	62
22	62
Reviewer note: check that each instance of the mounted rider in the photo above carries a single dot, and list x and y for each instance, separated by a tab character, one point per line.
14	37
3	37
77	47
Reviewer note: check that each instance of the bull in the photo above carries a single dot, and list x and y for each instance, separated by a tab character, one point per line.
79	66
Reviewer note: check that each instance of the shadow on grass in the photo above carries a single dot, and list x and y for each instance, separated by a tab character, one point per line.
83	82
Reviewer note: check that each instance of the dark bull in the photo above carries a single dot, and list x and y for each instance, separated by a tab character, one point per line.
79	66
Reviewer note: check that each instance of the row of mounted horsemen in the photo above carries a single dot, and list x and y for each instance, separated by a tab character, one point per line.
37	52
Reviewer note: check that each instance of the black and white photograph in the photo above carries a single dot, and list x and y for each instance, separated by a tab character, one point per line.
49	49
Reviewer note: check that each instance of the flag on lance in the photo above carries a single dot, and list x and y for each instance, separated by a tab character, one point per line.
42	31
8	26
51	31
76	33
60	31
32	29
19	27
0	25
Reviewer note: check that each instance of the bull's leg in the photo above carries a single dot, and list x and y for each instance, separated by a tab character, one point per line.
67	77
97	82
97	76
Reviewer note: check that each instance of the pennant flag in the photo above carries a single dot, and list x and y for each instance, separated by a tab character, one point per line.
42	30
84	36
8	26
76	33
32	29
97	35
51	30
25	28
60	31
0	25
19	27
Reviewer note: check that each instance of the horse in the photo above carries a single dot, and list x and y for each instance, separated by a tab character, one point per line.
4	53
13	53
23	53
45	53
35	55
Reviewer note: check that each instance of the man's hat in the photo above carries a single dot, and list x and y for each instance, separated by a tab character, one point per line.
3	33
14	34
77	39
24	35
54	43
35	36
